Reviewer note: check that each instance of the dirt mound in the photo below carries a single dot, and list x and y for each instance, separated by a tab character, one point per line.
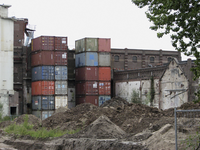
115	102
60	109
31	120
5	124
189	105
102	128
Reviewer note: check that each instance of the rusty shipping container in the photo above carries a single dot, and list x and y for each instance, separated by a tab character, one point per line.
104	73
87	88
42	88
86	45
87	99
104	59
61	43
60	57
43	43
87	73
42	58
104	88
104	45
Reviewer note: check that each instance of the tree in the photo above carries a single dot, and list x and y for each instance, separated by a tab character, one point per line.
135	97
180	19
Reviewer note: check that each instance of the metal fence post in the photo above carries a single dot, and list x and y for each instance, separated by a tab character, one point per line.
175	123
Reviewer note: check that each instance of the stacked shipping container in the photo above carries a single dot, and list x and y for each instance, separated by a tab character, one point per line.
93	70
49	75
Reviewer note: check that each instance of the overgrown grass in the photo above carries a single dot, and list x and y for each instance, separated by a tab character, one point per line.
27	129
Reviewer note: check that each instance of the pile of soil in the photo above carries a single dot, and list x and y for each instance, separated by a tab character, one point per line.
60	109
31	120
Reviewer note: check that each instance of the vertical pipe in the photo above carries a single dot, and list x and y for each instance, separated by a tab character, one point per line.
175	121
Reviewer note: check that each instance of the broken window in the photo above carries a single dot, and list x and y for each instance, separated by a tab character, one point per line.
152	59
134	58
116	58
169	59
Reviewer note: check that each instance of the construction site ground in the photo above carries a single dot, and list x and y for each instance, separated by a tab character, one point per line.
115	125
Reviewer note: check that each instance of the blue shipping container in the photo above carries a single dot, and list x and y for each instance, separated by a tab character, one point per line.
86	59
43	73
80	60
36	102
48	103
103	98
61	73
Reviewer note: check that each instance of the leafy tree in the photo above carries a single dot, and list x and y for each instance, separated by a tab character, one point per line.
180	19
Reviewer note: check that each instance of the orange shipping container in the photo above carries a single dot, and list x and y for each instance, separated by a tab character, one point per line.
42	58
88	99
42	88
104	45
104	73
104	88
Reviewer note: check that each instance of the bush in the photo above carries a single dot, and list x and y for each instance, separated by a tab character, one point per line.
135	97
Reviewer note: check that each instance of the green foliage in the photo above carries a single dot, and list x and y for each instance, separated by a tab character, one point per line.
27	129
180	19
135	97
152	91
147	99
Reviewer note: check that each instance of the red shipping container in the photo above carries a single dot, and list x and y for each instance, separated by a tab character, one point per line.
104	73
88	99
87	88
60	57
61	43
43	43
104	88
86	73
42	88
42	58
104	45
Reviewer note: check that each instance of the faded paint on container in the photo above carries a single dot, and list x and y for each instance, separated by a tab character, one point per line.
60	72
42	88
104	73
104	88
43	73
42	58
87	73
86	59
61	87
80	60
60	101
36	102
88	99
60	58
71	94
80	46
91	44
48	103
104	59
43	43
46	114
60	43
104	45
103	98
87	88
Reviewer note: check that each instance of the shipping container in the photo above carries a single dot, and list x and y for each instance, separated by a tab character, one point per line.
104	45
36	102
87	73
46	114
104	88
48	103
43	43
71	94
61	87
80	46
60	58
42	58
60	101
42	88
43	73
104	73
86	59
87	99
87	88
91	44
61	43
104	59
103	98
37	114
71	104
61	73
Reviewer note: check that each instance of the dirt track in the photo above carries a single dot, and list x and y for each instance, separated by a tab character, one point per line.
117	124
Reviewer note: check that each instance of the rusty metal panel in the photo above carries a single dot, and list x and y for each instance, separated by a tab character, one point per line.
104	59
61	43
87	73
104	88
104	73
87	99
60	58
87	88
43	43
42	58
60	101
104	45
42	88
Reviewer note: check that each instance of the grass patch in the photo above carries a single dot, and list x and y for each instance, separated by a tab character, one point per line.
27	129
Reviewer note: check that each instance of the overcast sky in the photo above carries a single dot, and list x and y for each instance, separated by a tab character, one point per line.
120	20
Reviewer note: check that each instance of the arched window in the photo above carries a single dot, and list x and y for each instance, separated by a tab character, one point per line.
116	58
134	58
152	59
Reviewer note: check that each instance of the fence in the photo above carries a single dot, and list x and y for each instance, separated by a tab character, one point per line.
187	127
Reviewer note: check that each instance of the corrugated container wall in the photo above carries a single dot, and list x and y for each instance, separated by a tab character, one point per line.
61	87
48	103
60	72
104	59
60	58
86	45
86	59
103	99
43	43
61	43
46	114
87	73
104	73
87	88
87	99
42	88
104	45
43	73
104	88
60	101
42	58
36	102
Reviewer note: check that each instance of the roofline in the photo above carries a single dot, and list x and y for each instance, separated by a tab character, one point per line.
6	6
